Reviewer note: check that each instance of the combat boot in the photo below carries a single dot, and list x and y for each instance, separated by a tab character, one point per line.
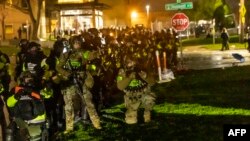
131	117
147	116
9	135
24	134
67	132
96	122
69	124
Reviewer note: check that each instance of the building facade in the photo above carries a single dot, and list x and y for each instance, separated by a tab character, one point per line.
61	16
74	16
13	22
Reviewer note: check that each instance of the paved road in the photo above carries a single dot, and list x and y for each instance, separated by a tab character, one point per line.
204	59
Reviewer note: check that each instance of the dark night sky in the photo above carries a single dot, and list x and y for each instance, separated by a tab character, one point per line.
140	5
158	5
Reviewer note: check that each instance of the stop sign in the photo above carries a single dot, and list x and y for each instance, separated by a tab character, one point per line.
180	21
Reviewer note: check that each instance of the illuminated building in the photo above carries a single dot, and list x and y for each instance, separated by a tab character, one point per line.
77	15
73	15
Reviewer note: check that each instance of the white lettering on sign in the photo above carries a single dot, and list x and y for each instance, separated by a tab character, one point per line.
180	22
235	132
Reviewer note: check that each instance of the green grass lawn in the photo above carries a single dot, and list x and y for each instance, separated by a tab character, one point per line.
193	107
231	46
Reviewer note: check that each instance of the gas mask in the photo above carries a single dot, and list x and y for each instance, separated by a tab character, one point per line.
66	46
26	79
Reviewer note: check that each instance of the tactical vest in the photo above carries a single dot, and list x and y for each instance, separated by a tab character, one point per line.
29	106
74	62
73	65
136	85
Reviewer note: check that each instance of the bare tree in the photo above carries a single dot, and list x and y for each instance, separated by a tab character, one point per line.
33	9
35	14
3	15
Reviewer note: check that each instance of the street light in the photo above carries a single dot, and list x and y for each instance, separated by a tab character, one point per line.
147	9
134	16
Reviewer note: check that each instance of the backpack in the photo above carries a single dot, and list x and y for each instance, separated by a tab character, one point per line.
29	106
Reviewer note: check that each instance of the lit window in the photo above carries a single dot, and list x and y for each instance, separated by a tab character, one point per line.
9	2
9	29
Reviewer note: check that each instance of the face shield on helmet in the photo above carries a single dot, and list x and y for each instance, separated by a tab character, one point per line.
66	45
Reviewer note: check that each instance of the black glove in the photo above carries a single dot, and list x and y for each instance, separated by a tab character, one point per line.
23	92
27	91
19	94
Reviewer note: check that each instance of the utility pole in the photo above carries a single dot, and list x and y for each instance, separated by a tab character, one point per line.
242	12
43	22
27	30
213	31
93	13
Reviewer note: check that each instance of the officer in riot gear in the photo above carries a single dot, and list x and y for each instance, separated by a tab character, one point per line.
76	81
4	91
135	83
27	110
52	90
4	73
32	62
23	44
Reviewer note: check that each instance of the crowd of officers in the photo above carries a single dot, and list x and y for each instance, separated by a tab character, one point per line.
79	76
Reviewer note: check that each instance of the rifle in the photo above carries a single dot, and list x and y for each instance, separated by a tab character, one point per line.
78	84
76	80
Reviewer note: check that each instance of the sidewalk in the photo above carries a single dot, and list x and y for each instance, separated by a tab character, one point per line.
199	58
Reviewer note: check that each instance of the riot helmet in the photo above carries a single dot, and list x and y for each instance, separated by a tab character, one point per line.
94	31
23	44
33	47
